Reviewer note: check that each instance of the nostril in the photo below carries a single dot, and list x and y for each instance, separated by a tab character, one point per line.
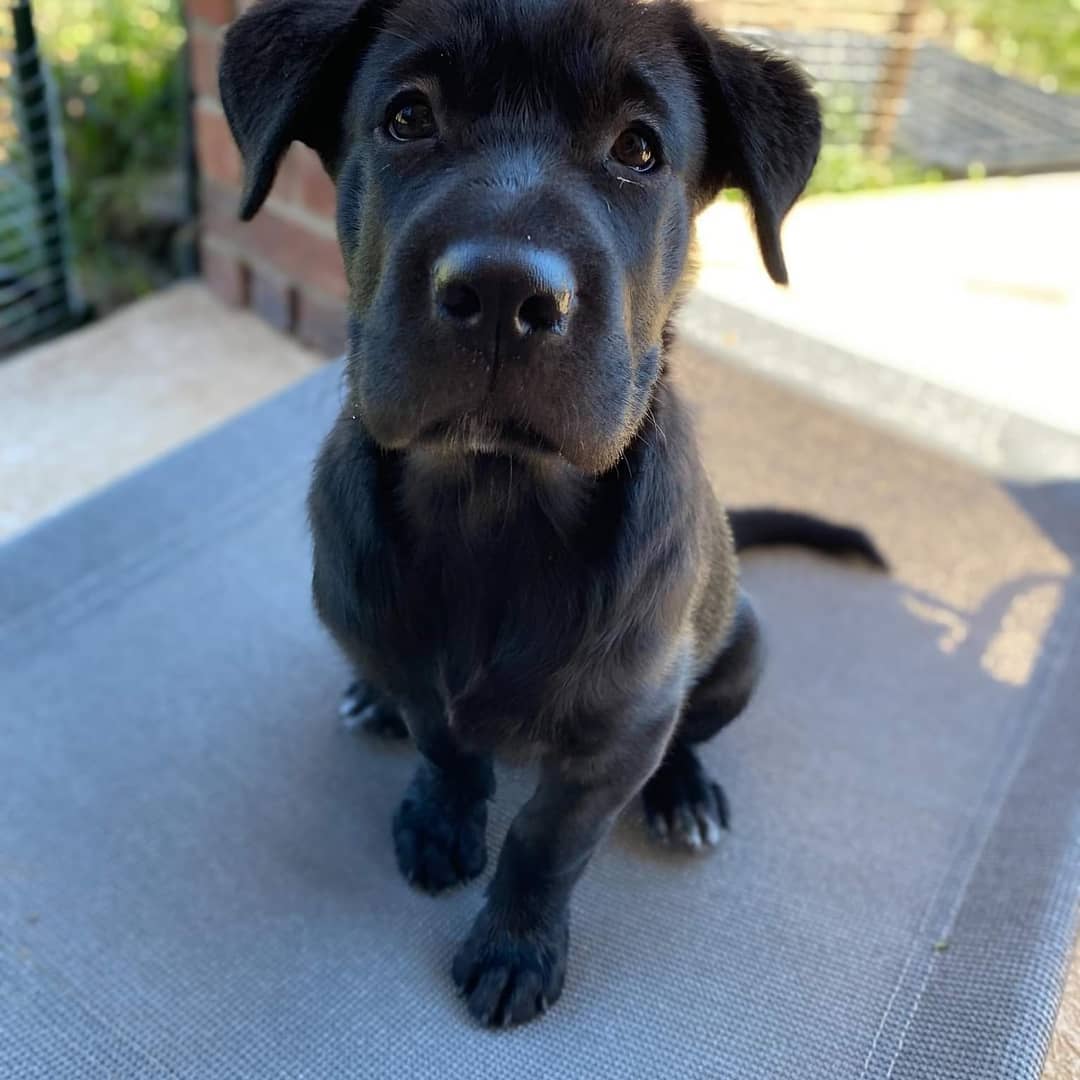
542	313
460	302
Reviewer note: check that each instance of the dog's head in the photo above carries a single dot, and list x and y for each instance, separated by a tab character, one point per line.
517	181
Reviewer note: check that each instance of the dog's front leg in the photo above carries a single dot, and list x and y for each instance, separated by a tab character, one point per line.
440	827
512	964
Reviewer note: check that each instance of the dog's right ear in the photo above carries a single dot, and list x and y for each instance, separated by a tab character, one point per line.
285	73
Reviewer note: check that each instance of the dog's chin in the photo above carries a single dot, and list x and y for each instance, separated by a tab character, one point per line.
453	445
473	435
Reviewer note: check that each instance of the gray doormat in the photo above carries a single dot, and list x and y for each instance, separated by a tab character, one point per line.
196	876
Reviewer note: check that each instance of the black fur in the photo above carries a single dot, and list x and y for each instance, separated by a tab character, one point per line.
515	541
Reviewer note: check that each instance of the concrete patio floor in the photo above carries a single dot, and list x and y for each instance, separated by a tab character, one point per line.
971	289
86	408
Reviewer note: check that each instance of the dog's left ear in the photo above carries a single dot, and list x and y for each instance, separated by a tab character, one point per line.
763	127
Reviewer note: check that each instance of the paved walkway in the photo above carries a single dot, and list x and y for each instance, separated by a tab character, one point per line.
973	287
90	406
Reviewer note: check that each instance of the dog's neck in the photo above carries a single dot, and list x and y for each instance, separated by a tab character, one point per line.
482	494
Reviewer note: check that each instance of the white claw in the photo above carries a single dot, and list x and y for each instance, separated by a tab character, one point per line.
367	714
688	831
710	829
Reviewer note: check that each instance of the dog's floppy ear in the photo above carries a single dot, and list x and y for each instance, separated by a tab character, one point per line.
763	125
285	72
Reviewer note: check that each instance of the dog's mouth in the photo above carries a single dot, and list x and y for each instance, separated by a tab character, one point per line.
475	434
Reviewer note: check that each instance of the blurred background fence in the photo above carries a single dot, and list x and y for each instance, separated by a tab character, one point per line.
924	89
37	287
914	91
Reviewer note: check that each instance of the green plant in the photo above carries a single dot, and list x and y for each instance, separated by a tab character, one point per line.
845	165
116	65
1038	40
845	168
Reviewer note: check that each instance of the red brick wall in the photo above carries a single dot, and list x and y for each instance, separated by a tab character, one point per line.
285	264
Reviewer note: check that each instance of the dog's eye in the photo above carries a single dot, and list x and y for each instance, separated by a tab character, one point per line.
411	119
634	149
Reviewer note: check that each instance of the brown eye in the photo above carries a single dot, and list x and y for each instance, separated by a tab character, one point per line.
634	149
411	120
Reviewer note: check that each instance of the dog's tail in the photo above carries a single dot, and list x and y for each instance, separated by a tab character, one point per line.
766	527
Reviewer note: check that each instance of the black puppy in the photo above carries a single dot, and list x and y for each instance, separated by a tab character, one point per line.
515	540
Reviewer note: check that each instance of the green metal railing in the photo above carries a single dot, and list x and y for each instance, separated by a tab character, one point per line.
38	295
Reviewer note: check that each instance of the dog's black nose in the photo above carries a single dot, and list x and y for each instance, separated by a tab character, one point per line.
503	289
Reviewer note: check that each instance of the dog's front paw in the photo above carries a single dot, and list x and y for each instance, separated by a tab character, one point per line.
510	978
362	709
439	841
684	807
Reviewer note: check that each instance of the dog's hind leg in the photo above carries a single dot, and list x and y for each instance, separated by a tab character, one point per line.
363	708
684	806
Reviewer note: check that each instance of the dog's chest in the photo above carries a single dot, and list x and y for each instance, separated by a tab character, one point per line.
500	619
514	620
490	616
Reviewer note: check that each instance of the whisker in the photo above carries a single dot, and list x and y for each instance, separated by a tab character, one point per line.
402	37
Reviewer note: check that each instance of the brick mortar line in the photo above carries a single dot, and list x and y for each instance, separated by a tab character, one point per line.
324	227
223	245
